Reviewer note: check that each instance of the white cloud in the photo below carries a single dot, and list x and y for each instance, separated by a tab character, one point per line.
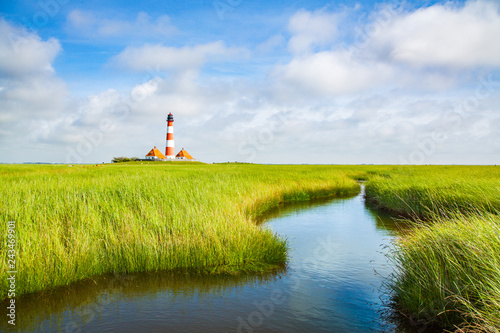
311	29
431	48
24	53
179	94
444	35
327	73
90	24
31	92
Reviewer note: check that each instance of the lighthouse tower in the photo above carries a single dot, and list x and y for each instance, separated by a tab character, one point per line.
169	149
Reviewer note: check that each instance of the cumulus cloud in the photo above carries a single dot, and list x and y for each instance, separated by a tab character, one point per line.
427	49
445	35
38	116
310	29
30	90
326	73
90	24
390	85
24	53
181	91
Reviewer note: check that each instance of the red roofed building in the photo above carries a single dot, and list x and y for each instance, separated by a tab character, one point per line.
183	155
155	154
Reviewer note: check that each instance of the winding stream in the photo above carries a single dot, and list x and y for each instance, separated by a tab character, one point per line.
332	284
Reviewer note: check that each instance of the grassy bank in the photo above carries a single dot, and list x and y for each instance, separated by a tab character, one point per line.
424	192
81	221
449	266
450	273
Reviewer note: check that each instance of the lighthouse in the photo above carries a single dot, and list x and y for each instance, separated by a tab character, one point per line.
169	149
155	155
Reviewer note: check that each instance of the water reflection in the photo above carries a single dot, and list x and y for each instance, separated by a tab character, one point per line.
74	308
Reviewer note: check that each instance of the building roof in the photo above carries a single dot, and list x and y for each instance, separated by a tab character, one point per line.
185	154
156	153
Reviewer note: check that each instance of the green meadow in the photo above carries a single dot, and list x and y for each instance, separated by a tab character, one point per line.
79	222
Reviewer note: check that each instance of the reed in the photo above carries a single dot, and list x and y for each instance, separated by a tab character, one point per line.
424	192
82	221
449	273
448	267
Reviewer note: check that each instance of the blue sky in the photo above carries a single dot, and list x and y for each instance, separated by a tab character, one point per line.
256	81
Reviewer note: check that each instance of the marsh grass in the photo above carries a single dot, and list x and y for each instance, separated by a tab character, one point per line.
82	221
449	273
425	192
448	267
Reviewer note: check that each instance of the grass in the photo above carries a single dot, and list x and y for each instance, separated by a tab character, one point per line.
425	192
450	273
76	222
448	267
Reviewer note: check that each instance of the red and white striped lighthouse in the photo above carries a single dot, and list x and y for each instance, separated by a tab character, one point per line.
169	149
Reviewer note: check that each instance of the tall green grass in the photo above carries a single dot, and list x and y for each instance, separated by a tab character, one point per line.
427	191
81	221
448	267
449	273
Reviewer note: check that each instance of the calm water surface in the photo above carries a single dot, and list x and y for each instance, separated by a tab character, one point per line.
332	284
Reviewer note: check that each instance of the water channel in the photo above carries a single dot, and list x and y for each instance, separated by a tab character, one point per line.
331	284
